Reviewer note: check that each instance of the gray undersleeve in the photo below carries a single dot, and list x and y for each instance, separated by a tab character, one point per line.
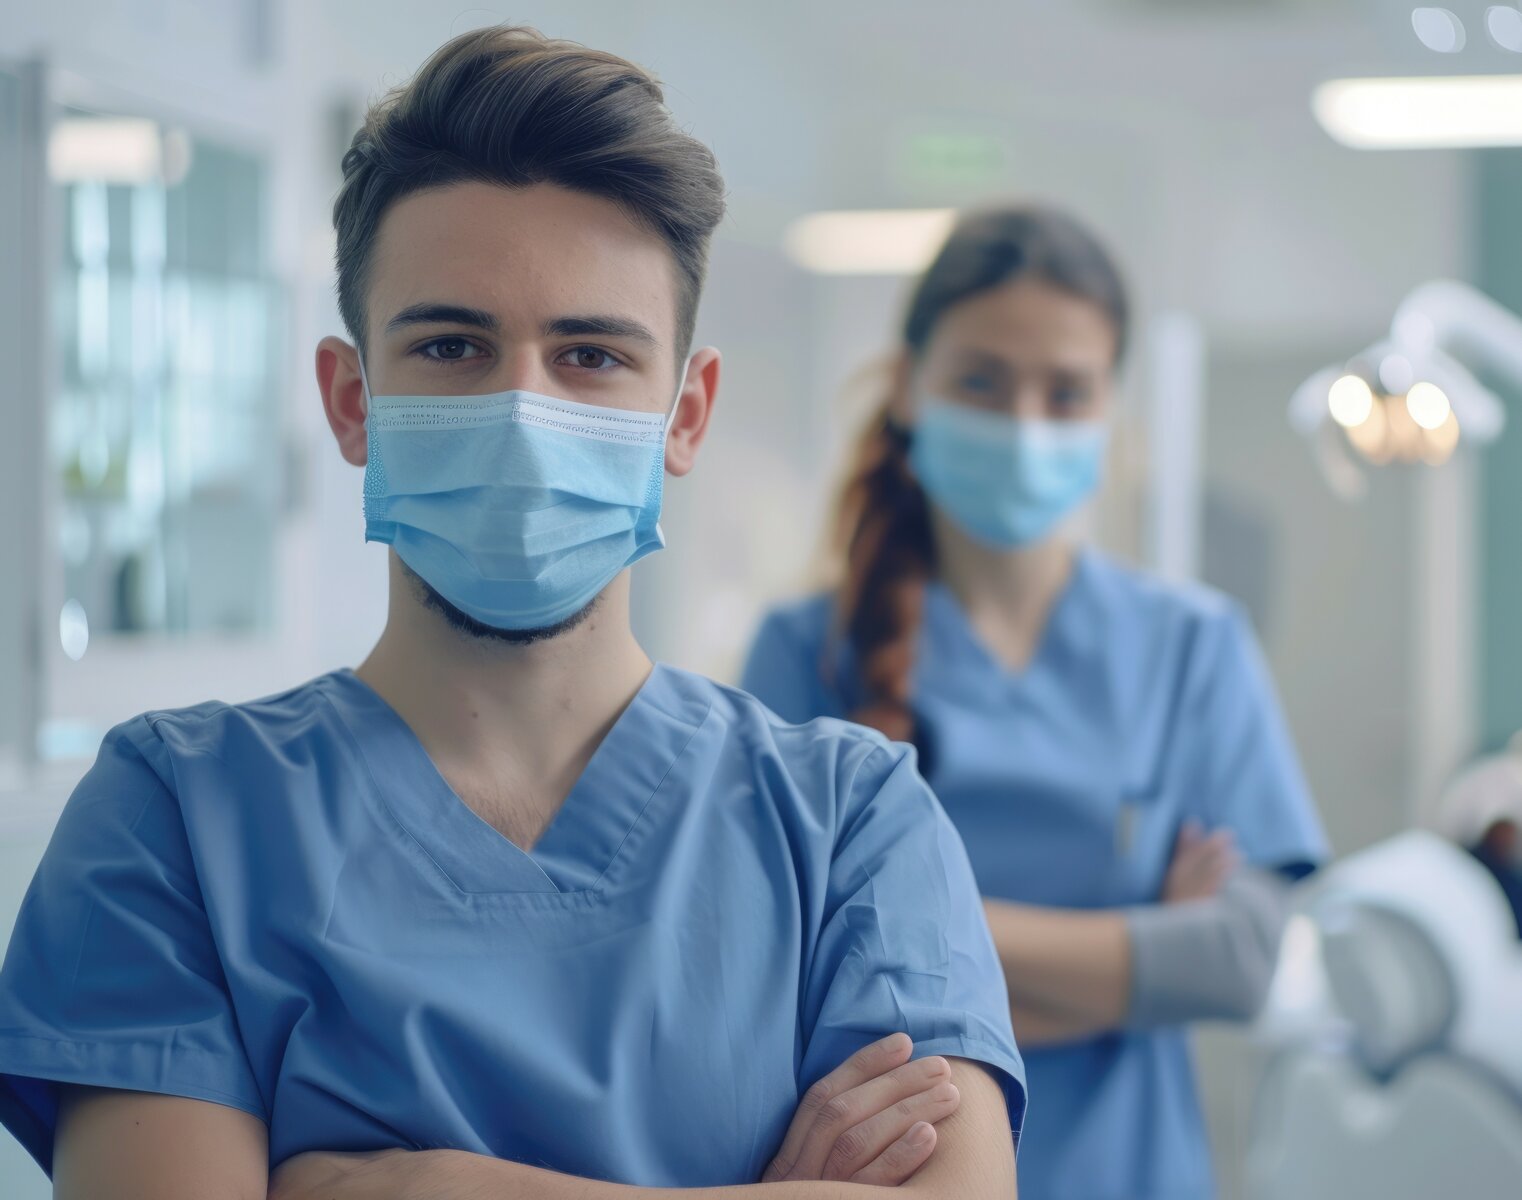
1207	959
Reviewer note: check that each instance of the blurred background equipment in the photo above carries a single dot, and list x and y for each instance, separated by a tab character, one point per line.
1417	1090
1415	396
1482	811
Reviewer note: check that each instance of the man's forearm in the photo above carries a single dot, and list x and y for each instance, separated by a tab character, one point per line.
973	1159
460	1175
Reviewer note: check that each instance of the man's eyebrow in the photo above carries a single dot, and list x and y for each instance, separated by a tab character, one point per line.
429	313
599	326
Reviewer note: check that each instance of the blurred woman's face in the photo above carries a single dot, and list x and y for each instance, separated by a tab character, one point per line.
1028	350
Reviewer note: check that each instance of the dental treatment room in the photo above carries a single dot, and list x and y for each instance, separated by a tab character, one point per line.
602	600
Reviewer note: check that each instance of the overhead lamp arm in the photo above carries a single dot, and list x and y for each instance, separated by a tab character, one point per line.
1452	318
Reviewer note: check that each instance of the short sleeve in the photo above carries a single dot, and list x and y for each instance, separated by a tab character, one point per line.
112	978
1249	774
783	670
904	945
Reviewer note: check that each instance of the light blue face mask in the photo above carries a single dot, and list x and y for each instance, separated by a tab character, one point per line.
518	509
1005	481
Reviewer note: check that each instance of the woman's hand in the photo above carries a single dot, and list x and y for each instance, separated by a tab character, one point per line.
1200	864
328	1175
871	1120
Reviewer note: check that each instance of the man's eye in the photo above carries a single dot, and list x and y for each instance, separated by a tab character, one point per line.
590	358
451	349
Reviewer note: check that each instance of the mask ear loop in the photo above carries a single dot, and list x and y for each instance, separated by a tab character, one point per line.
364	382
658	472
680	388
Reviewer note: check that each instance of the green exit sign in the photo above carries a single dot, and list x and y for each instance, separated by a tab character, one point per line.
949	159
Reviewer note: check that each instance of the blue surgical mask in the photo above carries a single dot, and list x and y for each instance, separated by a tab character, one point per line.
1007	482
519	509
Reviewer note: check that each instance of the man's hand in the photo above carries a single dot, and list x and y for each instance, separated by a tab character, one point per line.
1200	864
871	1120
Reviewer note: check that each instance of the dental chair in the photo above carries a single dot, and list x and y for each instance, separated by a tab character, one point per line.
1411	1088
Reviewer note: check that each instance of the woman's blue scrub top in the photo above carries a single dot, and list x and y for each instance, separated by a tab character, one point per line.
1144	705
281	906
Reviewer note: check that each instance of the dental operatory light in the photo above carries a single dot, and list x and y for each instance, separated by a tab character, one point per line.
1422	113
1396	373
868	242
1413	398
1417	426
1350	400
1428	405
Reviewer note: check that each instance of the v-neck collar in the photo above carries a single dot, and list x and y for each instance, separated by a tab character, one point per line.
953	649
584	845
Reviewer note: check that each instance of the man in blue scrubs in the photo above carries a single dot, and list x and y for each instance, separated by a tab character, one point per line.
507	910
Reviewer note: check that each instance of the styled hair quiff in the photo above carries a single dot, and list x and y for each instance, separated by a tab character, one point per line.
509	106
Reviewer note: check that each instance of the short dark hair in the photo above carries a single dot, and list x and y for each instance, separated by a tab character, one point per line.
509	106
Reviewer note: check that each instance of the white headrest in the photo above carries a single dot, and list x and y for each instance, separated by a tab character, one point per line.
1421	949
1388	981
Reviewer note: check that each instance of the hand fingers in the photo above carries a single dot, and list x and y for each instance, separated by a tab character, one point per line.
857	1148
1204	851
1222	841
898	1163
1199	872
1218	856
1200	863
1201	844
842	1114
879	1058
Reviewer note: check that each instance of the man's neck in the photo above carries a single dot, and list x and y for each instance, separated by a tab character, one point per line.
510	727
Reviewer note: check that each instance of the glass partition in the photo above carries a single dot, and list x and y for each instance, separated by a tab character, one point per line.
164	436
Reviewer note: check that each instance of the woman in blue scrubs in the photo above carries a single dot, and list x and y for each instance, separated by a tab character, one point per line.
508	910
1108	745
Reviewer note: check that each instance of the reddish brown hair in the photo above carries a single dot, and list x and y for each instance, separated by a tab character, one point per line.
882	532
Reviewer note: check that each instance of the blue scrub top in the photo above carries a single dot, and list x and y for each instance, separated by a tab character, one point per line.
281	906
1144	704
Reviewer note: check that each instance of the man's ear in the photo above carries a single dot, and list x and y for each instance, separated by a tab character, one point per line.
343	396
690	426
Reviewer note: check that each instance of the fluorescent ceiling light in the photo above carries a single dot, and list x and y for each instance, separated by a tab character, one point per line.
105	150
1428	112
868	242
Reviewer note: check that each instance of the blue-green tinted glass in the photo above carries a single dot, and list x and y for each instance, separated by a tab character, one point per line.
165	434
